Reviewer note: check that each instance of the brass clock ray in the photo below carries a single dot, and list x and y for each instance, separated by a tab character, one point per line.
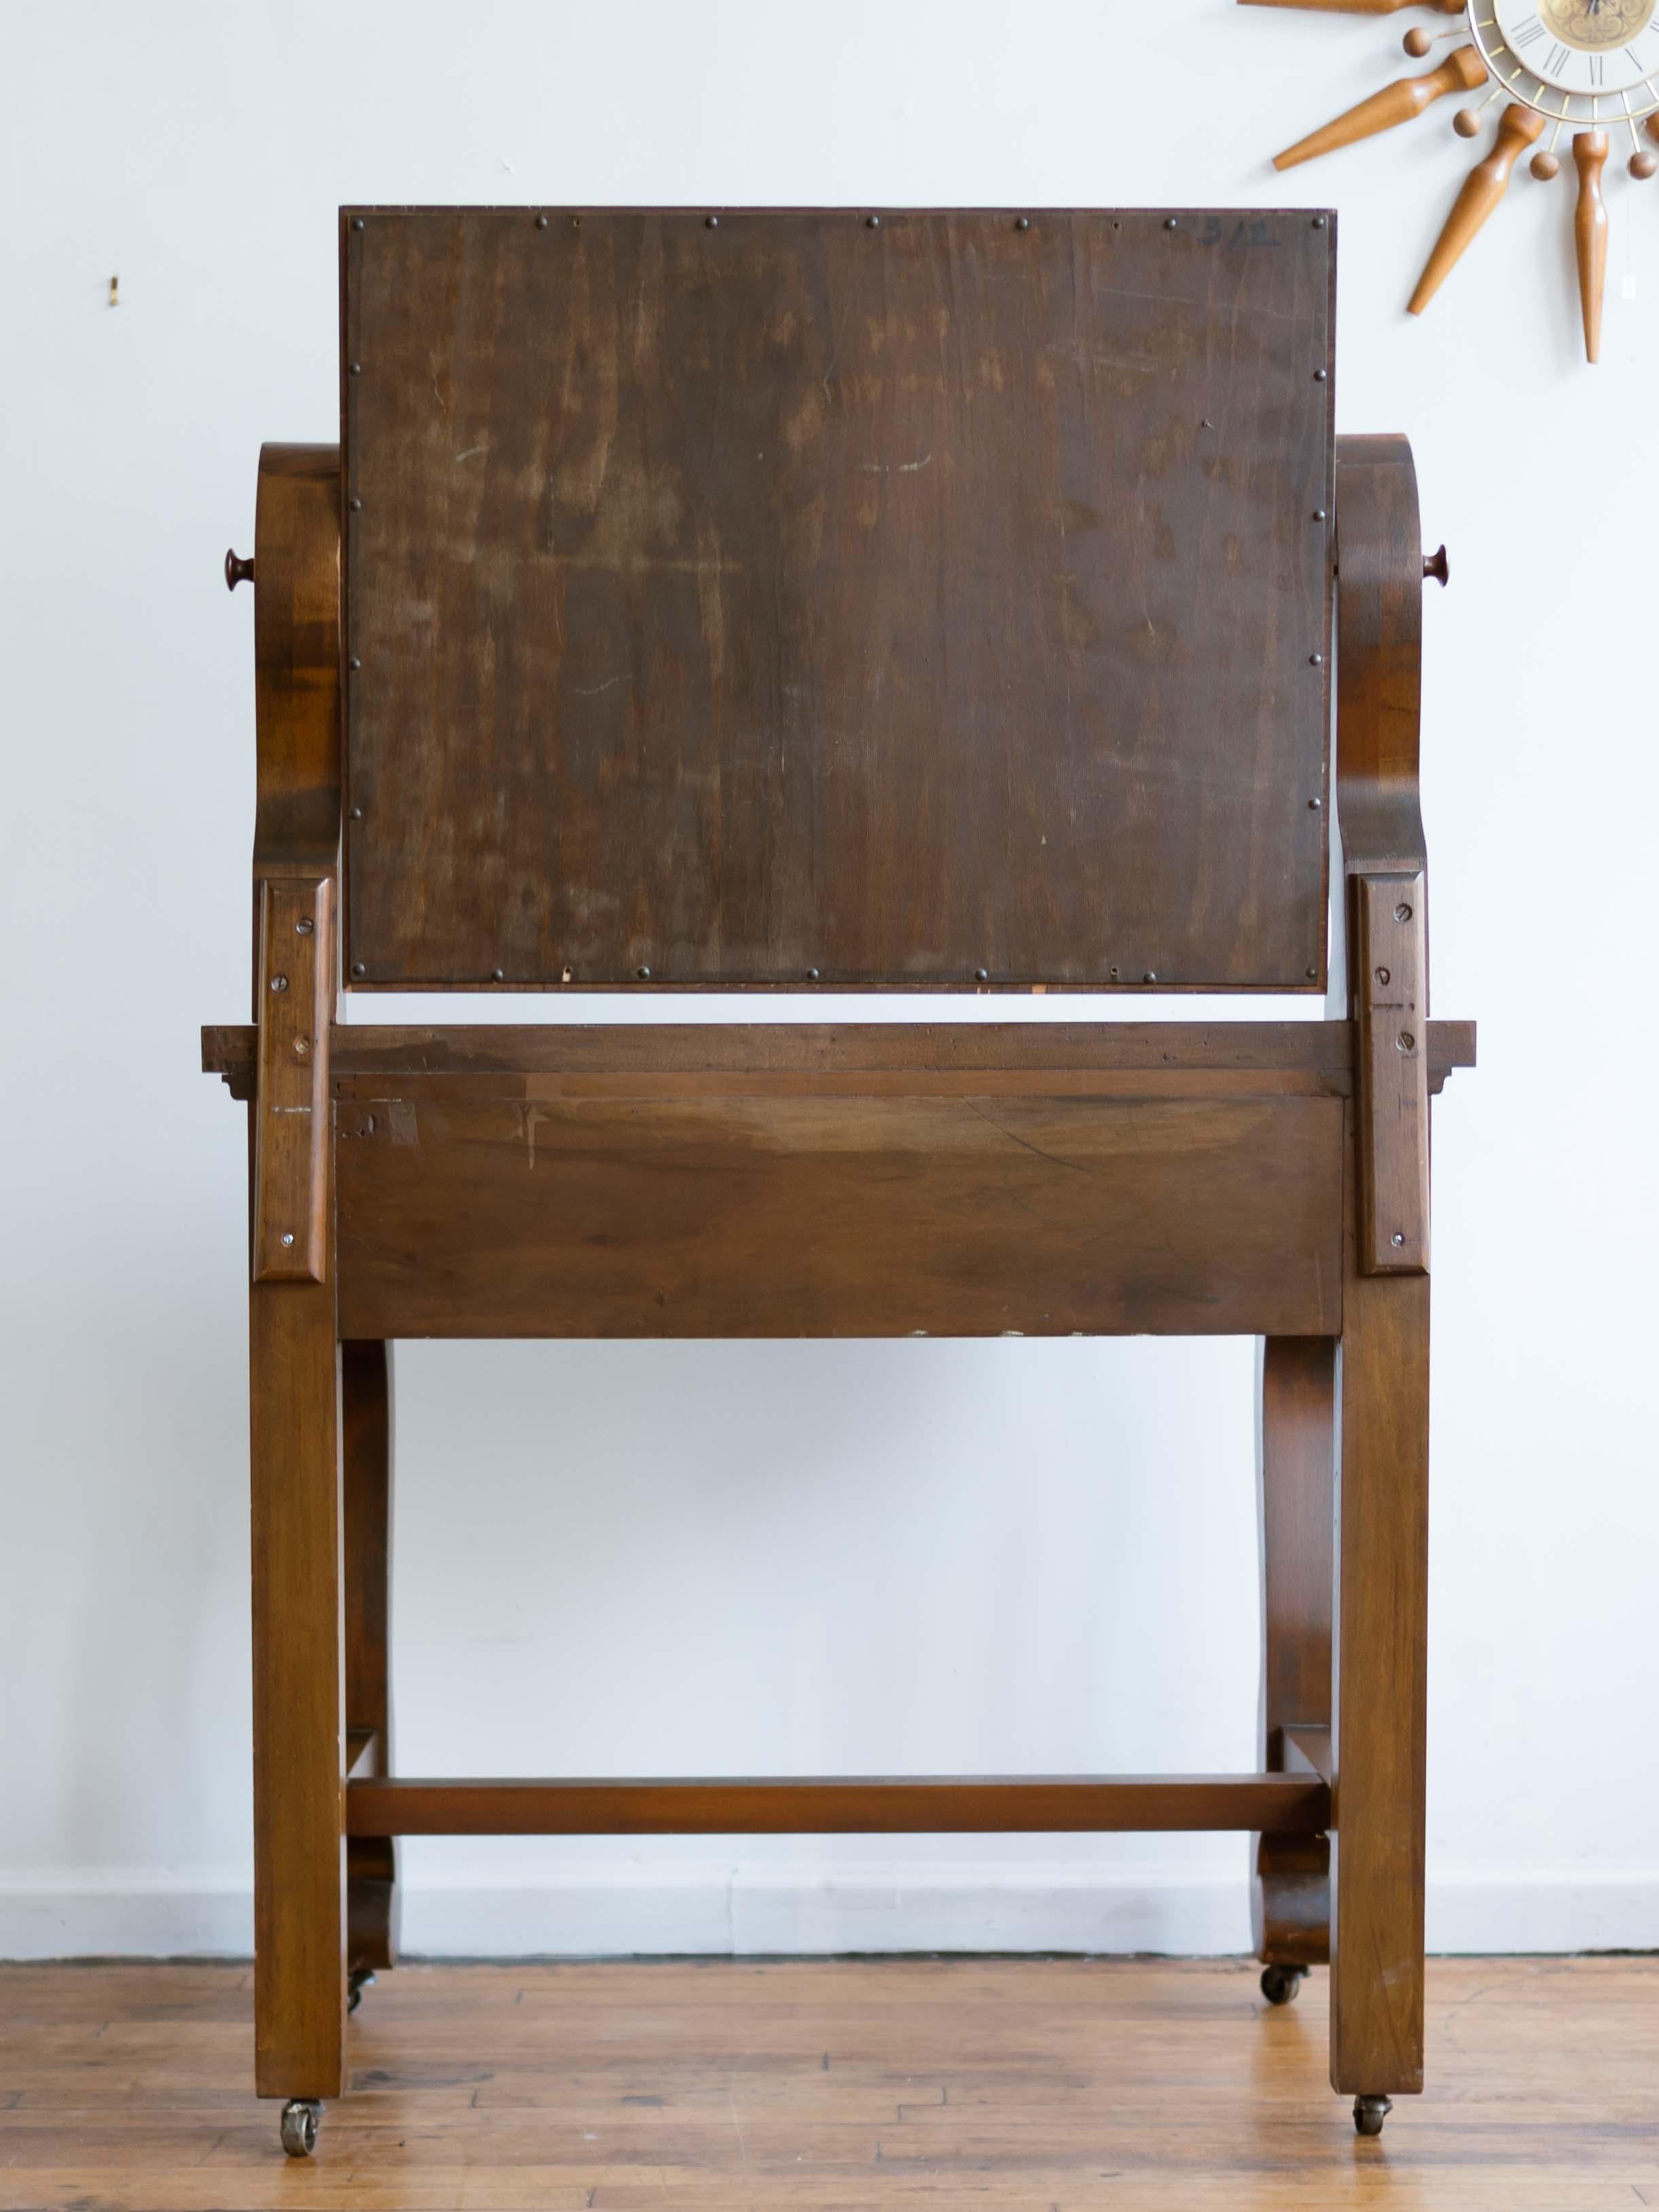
1590	66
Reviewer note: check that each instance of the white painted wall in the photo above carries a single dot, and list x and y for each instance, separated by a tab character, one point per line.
831	1557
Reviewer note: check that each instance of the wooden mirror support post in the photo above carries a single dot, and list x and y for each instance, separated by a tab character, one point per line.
724	557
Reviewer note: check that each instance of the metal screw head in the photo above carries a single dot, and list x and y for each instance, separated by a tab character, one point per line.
1402	912
1320	375
356	223
1112	972
1385	975
644	974
279	983
354	663
358	968
498	975
982	975
1399	1236
1407	1042
301	1047
357	368
1316	660
288	1237
354	814
1314	806
812	975
1319	222
1319	514
541	223
1312	974
711	222
1172	224
1149	977
1023	222
872	222
304	927
355	504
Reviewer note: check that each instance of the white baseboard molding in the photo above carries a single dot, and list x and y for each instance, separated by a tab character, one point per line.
598	1910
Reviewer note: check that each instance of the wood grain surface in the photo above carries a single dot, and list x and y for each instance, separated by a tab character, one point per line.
727	1214
896	598
832	2086
1296	1447
844	1805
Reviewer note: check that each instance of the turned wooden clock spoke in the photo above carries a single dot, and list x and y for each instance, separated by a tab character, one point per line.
1588	68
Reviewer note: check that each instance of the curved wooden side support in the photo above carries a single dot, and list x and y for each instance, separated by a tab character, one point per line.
1483	188
1380	652
1395	104
296	645
1379	712
1589	153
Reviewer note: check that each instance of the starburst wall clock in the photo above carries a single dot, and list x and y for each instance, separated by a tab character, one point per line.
1586	67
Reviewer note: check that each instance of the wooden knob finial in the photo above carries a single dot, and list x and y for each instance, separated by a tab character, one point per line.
237	570
1483	188
1589	152
1438	566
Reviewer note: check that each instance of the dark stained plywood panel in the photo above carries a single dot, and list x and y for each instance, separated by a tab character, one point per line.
793	595
761	1213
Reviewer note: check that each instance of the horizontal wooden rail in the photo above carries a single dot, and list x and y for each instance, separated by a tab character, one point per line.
829	1060
1270	1804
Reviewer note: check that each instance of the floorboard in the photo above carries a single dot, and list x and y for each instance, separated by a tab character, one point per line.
832	2086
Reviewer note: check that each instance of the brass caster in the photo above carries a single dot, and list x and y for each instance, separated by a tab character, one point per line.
358	1979
1281	1983
302	2116
1370	2112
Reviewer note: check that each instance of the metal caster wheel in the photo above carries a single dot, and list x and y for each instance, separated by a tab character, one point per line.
358	1979
302	2116
1281	1983
1370	2112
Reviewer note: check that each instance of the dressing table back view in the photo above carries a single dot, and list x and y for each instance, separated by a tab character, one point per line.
842	600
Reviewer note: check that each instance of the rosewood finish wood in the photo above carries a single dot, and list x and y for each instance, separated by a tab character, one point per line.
1302	1058
292	1122
365	1454
1380	1667
1296	1441
786	598
827	756
299	1904
1282	1803
743	1216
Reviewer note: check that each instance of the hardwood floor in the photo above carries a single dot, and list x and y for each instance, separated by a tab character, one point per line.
1023	2085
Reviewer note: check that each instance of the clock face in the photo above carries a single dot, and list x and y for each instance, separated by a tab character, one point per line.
1584	61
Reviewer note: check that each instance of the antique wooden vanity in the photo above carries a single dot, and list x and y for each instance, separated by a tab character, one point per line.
828	600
